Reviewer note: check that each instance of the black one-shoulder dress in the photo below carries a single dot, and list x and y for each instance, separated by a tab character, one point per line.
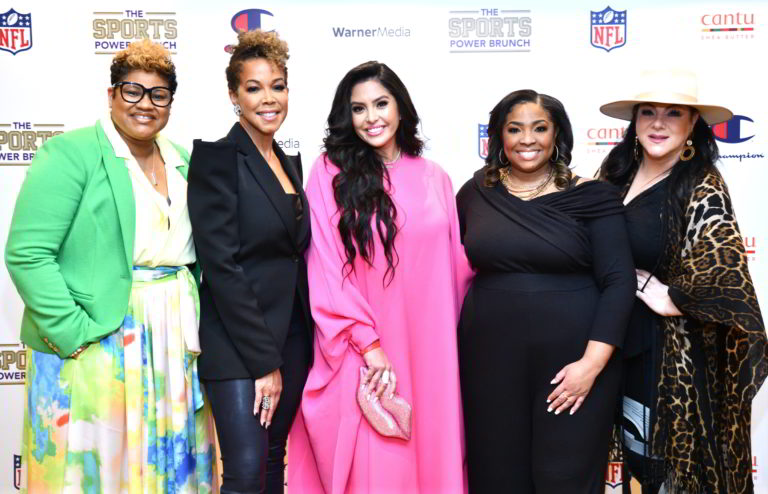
552	273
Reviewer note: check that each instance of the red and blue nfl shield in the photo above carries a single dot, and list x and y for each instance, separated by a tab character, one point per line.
17	471
482	141
608	28
15	32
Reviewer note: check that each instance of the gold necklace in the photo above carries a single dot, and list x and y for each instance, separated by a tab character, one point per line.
154	177
524	193
390	164
651	180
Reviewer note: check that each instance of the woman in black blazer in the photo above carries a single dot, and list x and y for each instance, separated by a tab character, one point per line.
250	228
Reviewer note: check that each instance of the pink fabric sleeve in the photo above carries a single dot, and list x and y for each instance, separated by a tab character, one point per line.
462	269
341	313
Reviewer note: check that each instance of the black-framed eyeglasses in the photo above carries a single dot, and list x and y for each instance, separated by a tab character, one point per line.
133	92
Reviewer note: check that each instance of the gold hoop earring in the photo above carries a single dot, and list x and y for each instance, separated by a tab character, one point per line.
501	160
636	151
688	151
557	155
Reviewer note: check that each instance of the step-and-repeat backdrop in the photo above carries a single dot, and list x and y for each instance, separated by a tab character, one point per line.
458	58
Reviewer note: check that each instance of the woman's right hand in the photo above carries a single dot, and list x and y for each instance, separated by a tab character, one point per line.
378	364
270	386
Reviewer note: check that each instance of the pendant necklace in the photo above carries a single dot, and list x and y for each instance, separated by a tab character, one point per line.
390	164
152	173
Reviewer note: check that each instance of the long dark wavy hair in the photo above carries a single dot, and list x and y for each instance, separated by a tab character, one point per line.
563	135
621	164
360	188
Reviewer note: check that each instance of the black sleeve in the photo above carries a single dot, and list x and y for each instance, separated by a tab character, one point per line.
212	201
614	271
299	168
463	198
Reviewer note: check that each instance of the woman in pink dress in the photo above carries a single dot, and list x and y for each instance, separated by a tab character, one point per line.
387	274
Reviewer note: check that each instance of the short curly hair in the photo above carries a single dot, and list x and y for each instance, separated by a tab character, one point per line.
147	56
256	44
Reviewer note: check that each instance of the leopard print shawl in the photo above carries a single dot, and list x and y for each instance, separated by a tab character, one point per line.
714	358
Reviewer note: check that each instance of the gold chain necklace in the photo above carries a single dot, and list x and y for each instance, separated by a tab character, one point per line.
652	180
525	193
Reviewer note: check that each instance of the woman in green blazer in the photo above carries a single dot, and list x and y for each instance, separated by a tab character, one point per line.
98	249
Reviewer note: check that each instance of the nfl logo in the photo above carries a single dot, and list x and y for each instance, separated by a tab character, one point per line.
608	28
17	471
15	32
613	474
482	141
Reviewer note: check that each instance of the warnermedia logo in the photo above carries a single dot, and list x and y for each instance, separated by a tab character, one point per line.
375	32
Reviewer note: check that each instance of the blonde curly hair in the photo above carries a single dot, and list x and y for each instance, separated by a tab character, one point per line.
147	56
256	44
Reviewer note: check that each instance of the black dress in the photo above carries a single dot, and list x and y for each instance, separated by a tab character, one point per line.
642	349
552	273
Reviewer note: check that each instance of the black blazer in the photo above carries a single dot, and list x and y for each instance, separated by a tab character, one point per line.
251	251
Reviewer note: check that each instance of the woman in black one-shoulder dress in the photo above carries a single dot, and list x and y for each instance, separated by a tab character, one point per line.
550	302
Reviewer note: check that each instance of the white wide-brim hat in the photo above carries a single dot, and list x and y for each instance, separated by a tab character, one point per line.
668	87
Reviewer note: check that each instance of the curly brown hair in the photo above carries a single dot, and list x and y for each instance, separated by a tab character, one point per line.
147	56
256	44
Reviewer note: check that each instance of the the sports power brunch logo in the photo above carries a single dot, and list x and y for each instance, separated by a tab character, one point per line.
15	32
727	25
489	31
114	31
13	363
608	28
19	141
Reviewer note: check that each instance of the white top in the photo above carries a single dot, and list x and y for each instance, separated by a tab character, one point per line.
163	232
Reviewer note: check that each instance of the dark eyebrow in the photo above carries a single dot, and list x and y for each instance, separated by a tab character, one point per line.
259	83
383	96
533	123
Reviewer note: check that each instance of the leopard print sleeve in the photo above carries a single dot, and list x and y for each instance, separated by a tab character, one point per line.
712	283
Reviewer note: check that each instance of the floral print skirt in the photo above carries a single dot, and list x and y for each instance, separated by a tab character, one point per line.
128	415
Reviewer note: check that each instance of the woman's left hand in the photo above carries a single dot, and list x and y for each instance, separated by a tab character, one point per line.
655	294
575	380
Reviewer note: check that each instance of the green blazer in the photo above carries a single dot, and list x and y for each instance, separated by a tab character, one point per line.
70	246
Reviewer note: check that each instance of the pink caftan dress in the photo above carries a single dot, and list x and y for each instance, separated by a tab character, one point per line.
332	448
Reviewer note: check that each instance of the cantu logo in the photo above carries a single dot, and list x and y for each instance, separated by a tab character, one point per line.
600	140
727	25
114	31
750	246
608	28
13	363
489	31
15	32
754	468
20	140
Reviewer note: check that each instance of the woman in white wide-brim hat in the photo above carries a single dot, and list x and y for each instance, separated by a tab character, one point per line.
695	353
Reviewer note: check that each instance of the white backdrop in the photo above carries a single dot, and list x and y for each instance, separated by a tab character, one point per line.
458	58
